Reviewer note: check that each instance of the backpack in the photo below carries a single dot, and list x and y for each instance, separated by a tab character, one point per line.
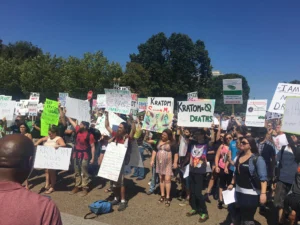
98	208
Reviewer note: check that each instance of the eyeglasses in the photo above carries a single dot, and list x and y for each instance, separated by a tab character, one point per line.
241	138
244	143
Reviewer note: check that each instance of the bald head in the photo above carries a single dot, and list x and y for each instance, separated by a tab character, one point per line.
15	151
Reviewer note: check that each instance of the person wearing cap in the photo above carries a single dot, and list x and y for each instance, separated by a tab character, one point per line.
85	143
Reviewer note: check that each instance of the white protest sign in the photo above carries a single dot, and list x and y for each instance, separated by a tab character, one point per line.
233	91
78	109
135	156
270	115
50	158
113	120
24	103
134	106
62	98
160	104
7	109
192	96
5	98
224	124
112	162
255	114
196	114
34	97
291	116
282	91
101	101
118	101
183	146
32	108
19	106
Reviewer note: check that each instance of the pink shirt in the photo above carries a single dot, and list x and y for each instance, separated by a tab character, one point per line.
224	150
19	206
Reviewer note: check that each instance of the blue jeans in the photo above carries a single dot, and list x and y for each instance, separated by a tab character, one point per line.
154	179
140	171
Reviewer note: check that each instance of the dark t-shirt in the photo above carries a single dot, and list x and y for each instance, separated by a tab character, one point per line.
36	133
214	147
15	129
197	152
61	130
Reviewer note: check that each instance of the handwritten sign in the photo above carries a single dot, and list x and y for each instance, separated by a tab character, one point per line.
50	116
196	114
7	109
233	91
134	105
113	120
33	108
101	101
62	98
78	109
142	104
50	158
118	101
192	96
112	161
5	98
157	121
160	104
291	116
255	114
282	91
34	97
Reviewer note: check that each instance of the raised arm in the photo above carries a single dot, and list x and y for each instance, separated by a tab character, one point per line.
108	128
62	115
72	122
133	128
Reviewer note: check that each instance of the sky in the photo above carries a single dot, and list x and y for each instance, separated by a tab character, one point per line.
257	39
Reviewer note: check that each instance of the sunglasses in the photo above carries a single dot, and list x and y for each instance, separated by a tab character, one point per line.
241	138
244	143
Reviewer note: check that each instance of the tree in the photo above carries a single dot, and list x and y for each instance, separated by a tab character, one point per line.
174	64
295	82
216	92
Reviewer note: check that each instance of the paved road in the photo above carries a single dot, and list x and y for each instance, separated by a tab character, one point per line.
69	219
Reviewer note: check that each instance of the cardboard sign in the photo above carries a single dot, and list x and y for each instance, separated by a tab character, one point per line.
282	91
291	116
233	91
112	161
78	109
196	114
160	104
142	104
62	98
34	97
134	106
157	121
255	114
5	98
51	158
192	96
114	120
7	109
101	101
118	101
33	108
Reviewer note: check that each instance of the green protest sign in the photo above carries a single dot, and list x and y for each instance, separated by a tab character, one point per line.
50	116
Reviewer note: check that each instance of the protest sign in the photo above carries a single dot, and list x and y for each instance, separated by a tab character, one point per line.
142	104
78	109
134	106
135	156
101	101
50	116
255	114
232	91
32	108
160	104
112	162
282	91
224	124
5	98
271	116
118	101
291	116
24	103
113	120
192	96
7	109
50	158
62	98
34	97
157	121
196	114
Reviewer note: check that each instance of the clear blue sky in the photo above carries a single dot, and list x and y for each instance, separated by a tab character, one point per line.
258	39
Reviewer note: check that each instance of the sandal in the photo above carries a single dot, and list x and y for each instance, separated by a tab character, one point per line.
168	202
162	199
108	190
51	190
43	189
191	213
